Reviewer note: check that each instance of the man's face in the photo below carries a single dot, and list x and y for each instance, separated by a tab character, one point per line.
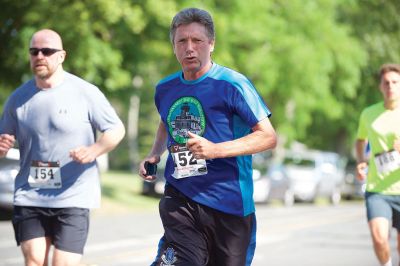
193	48
43	66
390	86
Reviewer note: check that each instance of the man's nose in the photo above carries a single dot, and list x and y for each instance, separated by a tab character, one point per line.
189	47
40	55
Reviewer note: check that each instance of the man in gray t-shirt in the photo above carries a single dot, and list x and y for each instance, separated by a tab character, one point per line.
54	118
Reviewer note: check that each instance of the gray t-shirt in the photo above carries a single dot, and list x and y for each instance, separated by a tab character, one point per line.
47	125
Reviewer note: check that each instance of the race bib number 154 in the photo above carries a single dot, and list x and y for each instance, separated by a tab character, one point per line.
45	175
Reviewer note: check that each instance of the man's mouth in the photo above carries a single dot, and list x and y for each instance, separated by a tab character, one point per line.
190	59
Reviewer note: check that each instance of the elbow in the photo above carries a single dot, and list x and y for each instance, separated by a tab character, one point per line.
121	132
273	141
270	141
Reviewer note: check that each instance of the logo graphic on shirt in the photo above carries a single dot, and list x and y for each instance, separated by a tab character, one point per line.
185	115
168	258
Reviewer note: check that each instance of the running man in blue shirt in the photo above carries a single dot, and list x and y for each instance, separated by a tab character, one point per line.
212	121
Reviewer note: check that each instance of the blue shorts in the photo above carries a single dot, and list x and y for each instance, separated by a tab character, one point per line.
197	235
387	206
67	227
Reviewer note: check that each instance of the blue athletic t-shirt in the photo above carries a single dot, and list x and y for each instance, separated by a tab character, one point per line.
220	106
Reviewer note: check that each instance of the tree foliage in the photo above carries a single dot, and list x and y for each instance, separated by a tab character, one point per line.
312	61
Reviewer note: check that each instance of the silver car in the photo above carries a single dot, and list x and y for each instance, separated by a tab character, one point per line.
315	174
9	167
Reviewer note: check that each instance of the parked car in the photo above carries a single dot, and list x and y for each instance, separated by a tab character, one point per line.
315	174
272	184
9	168
352	187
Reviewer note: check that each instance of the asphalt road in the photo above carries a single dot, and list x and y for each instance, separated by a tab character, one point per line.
302	235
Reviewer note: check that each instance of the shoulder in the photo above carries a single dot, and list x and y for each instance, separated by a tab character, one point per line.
71	78
23	91
373	109
170	78
81	86
224	73
233	77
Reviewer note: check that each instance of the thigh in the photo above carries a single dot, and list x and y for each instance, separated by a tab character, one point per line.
377	206
36	250
71	228
183	243
395	204
234	240
30	223
66	258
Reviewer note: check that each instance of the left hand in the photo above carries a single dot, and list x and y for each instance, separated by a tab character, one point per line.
83	154
201	147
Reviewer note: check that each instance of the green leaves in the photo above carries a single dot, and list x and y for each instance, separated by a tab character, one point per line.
312	61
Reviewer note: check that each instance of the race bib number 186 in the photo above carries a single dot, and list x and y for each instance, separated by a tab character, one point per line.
387	162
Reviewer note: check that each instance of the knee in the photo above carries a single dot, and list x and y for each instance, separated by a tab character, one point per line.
35	260
33	257
380	242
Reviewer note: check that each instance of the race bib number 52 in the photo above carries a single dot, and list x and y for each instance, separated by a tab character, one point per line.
185	163
45	175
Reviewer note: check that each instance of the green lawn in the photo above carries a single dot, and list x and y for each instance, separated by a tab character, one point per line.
121	191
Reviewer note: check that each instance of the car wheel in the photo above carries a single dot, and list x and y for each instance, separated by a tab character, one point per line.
335	197
288	198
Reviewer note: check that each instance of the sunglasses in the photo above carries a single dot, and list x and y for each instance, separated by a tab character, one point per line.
45	51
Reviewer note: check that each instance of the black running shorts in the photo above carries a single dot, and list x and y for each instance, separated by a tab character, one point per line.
196	235
67	227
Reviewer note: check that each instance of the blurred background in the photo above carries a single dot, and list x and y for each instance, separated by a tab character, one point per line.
314	62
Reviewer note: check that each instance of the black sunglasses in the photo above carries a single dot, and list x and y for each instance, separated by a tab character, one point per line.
45	51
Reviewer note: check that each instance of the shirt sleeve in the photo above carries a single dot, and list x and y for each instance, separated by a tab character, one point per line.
8	119
247	103
362	131
101	113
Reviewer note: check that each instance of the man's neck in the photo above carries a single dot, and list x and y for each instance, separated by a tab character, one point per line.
50	82
391	105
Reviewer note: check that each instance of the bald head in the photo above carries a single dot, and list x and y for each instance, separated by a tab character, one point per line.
46	38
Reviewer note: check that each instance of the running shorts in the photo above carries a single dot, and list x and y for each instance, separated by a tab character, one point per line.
67	227
197	235
387	206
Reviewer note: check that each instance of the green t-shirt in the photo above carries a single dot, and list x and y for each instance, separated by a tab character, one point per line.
380	127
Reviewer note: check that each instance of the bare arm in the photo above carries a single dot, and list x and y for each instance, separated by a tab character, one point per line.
159	147
6	143
262	138
361	160
107	142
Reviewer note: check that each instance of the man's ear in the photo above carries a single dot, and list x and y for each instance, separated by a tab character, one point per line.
62	56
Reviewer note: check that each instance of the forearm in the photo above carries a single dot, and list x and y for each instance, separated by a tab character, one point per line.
360	150
262	138
160	141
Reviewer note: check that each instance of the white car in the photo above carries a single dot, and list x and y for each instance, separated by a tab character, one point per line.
9	168
315	174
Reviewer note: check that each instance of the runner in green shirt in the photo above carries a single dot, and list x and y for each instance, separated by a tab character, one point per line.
380	126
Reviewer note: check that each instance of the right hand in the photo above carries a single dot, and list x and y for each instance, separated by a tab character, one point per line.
6	143
142	170
361	172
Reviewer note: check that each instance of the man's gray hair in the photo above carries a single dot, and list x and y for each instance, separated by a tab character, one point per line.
190	15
